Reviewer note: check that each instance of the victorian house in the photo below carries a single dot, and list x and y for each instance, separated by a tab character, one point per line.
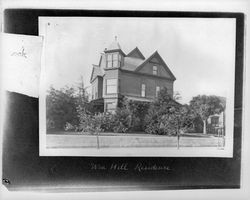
131	75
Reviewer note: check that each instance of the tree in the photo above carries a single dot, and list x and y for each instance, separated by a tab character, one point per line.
61	107
81	95
204	106
157	109
178	120
168	117
92	124
137	111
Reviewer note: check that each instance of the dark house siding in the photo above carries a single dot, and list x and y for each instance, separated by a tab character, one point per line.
130	84
148	69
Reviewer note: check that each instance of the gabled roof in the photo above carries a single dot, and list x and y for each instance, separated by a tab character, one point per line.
156	54
96	71
136	53
131	63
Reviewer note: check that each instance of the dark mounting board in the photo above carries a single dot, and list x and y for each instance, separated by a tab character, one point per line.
23	168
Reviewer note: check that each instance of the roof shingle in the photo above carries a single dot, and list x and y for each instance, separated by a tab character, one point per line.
131	63
97	71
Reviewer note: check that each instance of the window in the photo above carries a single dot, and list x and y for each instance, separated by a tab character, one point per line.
111	86
114	60
109	60
94	92
143	90
155	70
157	90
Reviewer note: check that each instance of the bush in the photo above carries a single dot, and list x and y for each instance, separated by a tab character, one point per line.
70	127
137	110
91	123
163	116
50	124
151	125
120	122
167	117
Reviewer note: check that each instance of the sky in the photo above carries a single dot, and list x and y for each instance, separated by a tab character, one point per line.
200	52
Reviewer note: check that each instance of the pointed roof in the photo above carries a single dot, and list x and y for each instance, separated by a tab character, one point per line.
96	71
114	45
136	53
156	54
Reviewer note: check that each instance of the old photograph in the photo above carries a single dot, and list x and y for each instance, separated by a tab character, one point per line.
133	86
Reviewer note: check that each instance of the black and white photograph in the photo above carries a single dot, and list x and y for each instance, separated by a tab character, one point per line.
135	100
132	86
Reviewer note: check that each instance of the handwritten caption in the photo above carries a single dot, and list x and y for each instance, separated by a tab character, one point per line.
139	167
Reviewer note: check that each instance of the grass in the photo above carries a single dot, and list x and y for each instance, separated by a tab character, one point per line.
62	139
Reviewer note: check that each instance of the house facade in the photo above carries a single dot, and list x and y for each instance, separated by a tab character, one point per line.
130	75
216	123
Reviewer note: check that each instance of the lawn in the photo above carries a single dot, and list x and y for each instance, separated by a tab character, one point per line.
115	140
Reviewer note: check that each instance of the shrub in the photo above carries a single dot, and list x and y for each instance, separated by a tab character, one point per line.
137	110
50	124
122	121
151	125
165	116
91	123
70	127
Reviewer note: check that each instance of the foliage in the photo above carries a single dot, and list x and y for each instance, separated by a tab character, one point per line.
197	125
167	117
178	119
68	108
122	121
91	123
204	106
137	110
61	107
119	122
69	127
94	108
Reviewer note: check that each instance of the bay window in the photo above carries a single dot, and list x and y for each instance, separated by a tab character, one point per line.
114	60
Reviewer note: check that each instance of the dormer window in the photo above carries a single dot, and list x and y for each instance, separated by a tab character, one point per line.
155	70
113	60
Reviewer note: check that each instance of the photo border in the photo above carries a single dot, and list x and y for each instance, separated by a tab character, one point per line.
142	151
